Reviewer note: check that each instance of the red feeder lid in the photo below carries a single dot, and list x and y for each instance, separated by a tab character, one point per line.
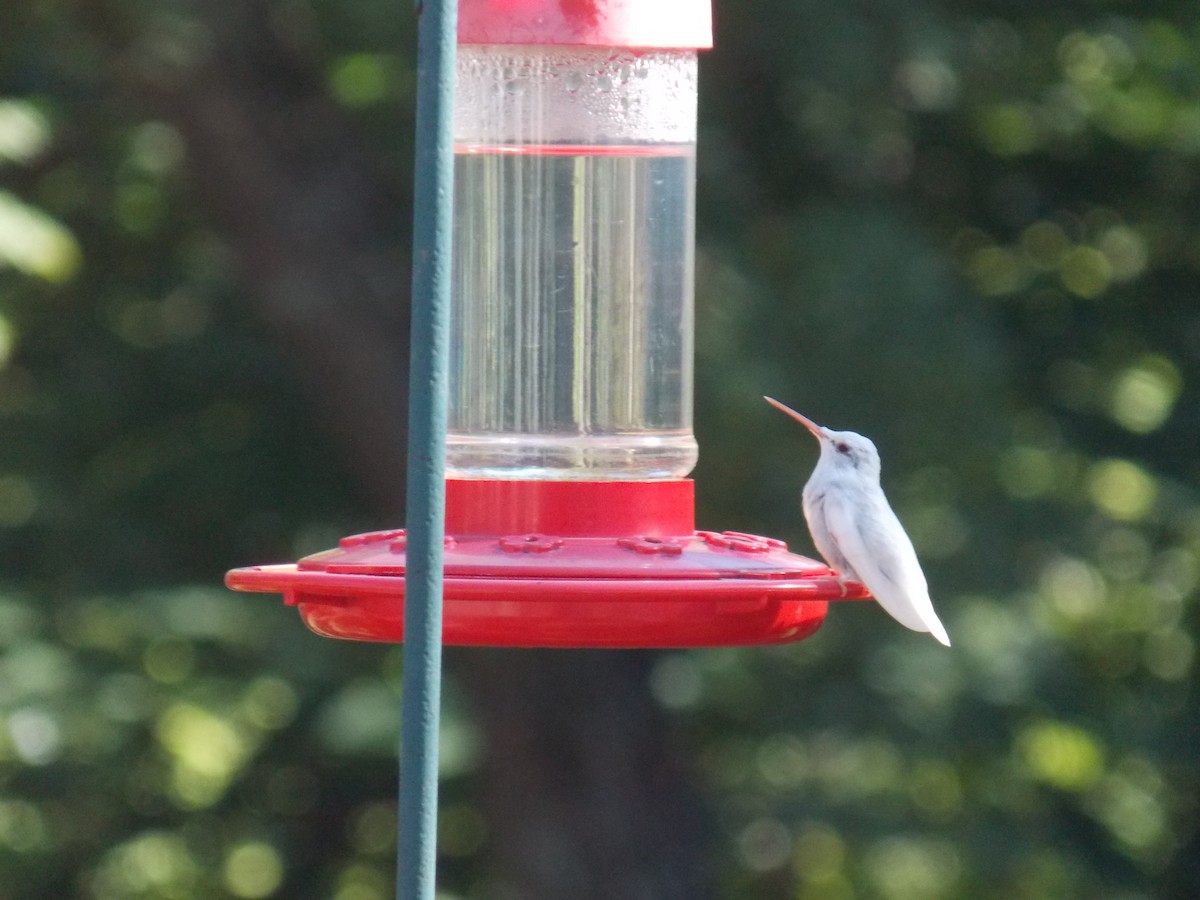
567	564
604	23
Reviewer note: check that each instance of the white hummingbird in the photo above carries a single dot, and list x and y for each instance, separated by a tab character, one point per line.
856	531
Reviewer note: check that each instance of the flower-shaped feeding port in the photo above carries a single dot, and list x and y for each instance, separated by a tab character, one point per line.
623	568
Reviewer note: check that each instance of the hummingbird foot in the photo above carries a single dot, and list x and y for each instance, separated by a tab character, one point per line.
849	586
843	583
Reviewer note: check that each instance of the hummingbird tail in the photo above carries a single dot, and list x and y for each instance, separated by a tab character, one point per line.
938	630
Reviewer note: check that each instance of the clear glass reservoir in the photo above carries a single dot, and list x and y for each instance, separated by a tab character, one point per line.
572	319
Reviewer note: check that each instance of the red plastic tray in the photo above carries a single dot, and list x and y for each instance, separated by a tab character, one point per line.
618	570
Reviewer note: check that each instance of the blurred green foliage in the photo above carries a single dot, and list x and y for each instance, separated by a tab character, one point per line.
968	229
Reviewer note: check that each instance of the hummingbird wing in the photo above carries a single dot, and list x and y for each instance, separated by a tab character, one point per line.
870	537
823	540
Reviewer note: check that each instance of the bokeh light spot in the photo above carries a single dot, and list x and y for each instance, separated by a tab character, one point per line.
995	271
1175	574
37	669
1162	44
1123	553
23	827
1008	129
1061	755
935	788
139	207
1075	590
360	79
207	753
1128	801
1044	244
819	854
912	869
18	501
1144	394
372	829
253	870
996	638
1126	252
270	703
363	882
764	845
938	530
1183	135
33	243
35	735
8	340
124	697
1027	472
153	864
675	681
927	83
1085	272
361	718
1139	115
24	131
783	761
156	148
1094	61
1169	654
1122	489
460	746
169	660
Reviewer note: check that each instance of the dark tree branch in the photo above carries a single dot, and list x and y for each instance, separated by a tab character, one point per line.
319	230
584	776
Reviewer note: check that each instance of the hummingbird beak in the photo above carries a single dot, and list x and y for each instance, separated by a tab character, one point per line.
817	431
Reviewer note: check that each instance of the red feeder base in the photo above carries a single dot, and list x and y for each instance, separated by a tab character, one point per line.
567	564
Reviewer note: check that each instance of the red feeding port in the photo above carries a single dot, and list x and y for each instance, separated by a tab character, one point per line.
568	564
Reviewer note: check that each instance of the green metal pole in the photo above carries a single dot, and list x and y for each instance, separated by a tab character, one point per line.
416	860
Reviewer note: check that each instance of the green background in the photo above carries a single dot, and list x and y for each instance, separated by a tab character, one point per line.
970	230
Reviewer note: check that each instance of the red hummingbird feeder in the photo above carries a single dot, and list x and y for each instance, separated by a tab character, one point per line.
569	514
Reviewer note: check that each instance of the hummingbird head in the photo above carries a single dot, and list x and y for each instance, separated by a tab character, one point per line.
840	450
